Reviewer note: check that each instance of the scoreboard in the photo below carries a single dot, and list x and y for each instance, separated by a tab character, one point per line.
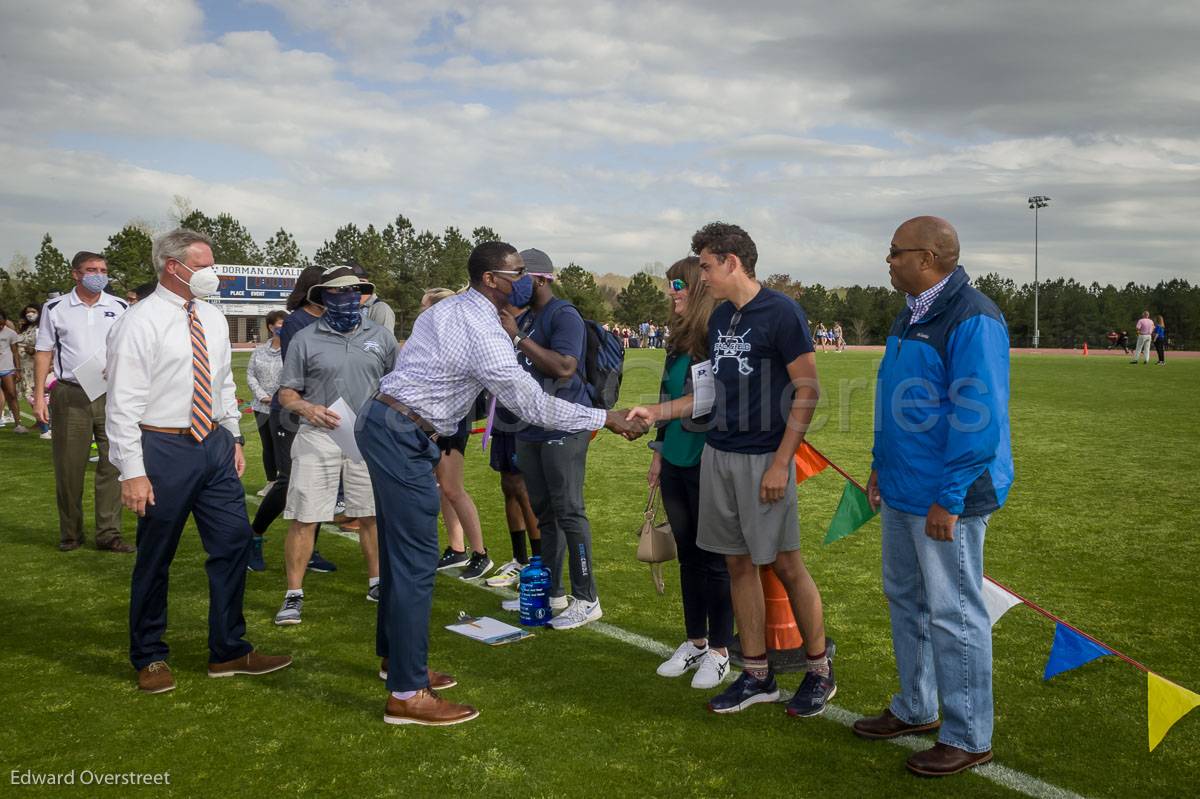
262	285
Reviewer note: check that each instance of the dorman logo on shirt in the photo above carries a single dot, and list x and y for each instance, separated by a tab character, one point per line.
731	346
372	346
110	313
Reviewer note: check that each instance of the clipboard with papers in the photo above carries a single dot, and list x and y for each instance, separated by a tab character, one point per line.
488	630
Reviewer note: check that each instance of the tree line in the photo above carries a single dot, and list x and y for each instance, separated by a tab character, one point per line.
403	261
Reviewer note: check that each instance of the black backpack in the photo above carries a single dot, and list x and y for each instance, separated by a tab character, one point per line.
603	362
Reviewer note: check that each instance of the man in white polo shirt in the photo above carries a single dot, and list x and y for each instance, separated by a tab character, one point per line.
73	331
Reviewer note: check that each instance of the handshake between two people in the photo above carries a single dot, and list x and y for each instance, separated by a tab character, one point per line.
632	423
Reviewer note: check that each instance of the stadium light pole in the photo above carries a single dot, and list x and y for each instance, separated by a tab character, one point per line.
1036	202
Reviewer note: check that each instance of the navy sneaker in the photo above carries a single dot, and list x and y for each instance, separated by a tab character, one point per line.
257	564
451	559
814	693
745	692
318	564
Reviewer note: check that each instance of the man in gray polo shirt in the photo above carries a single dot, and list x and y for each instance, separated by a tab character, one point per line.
341	356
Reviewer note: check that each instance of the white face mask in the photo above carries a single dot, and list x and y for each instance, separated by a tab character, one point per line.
203	282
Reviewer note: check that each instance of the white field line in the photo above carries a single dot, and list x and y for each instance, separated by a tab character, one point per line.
1009	778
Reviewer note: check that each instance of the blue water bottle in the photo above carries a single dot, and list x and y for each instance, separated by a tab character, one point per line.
535	594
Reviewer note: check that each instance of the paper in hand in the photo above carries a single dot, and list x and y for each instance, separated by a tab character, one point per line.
704	391
343	434
90	377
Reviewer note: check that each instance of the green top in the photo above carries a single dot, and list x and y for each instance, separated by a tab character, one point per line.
680	447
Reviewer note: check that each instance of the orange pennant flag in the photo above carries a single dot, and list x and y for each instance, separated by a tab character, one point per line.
808	462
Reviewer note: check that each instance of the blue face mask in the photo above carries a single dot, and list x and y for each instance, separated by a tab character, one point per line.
342	311
522	292
94	282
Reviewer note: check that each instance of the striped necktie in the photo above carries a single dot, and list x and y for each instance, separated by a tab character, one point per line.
202	406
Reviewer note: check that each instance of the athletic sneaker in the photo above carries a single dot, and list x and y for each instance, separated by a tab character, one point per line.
290	612
318	564
713	668
451	559
507	575
22	429
814	693
373	593
577	614
339	508
479	565
514	605
47	435
257	564
6	417
686	658
745	692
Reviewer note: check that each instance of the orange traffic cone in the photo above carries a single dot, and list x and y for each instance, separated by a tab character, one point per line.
781	630
1085	349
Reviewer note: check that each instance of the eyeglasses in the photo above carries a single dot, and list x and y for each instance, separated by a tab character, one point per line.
677	285
894	251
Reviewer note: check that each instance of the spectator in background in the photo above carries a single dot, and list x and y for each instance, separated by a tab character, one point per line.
10	367
1124	342
839	338
262	377
71	331
138	293
458	508
27	347
374	308
1160	340
1112	338
1145	333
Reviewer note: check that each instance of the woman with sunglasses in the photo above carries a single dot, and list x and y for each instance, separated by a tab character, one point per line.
675	469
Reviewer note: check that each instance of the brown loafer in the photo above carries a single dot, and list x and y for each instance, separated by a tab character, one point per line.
250	663
156	678
942	760
68	546
437	680
115	544
427	708
886	725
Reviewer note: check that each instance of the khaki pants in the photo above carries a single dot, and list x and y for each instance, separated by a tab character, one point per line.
76	421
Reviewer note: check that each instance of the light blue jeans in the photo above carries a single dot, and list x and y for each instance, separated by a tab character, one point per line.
940	629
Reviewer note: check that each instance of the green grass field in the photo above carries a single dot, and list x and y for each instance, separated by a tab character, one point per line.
1097	529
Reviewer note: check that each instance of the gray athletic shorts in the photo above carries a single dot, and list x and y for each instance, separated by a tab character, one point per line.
733	521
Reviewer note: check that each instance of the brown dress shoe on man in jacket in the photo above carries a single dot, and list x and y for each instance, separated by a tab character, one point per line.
252	662
156	678
886	725
942	760
427	708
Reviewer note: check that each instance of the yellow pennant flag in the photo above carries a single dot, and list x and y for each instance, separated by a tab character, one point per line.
1166	704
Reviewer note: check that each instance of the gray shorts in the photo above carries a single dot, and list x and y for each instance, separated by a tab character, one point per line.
733	521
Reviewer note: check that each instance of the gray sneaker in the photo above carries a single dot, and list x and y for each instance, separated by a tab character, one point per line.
479	565
373	593
290	612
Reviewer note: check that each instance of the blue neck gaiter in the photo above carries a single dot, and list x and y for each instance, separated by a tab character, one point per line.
342	311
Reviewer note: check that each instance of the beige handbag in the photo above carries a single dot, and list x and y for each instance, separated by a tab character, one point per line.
656	542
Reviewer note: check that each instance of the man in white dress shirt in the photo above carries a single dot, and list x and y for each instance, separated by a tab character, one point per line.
173	427
72	332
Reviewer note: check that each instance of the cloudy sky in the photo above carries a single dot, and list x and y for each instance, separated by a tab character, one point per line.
606	132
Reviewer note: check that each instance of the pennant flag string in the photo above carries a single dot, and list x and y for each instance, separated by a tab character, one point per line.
1072	628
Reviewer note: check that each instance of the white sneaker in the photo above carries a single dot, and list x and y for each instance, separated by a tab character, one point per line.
686	658
514	604
22	429
713	668
47	435
577	614
507	575
6	417
262	492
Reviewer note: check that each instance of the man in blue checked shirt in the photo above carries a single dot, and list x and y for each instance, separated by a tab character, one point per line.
942	465
457	349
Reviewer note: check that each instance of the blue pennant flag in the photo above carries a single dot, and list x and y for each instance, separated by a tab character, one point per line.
1070	651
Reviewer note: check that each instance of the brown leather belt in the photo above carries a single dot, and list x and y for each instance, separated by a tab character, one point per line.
407	412
174	431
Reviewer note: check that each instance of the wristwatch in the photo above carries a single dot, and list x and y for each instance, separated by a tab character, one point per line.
241	440
517	339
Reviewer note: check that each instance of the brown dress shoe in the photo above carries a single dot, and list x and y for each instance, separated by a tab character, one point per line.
68	546
115	544
250	663
437	680
886	725
427	708
156	678
942	760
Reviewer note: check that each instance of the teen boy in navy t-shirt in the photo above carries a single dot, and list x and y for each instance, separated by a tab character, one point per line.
765	378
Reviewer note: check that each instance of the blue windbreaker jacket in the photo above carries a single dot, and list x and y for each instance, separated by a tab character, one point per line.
941	407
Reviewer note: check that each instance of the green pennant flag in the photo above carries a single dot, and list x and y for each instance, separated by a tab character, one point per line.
852	513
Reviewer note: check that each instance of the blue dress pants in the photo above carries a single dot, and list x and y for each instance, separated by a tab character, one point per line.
196	478
401	459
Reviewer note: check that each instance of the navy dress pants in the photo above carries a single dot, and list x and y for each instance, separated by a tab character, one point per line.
197	478
401	460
